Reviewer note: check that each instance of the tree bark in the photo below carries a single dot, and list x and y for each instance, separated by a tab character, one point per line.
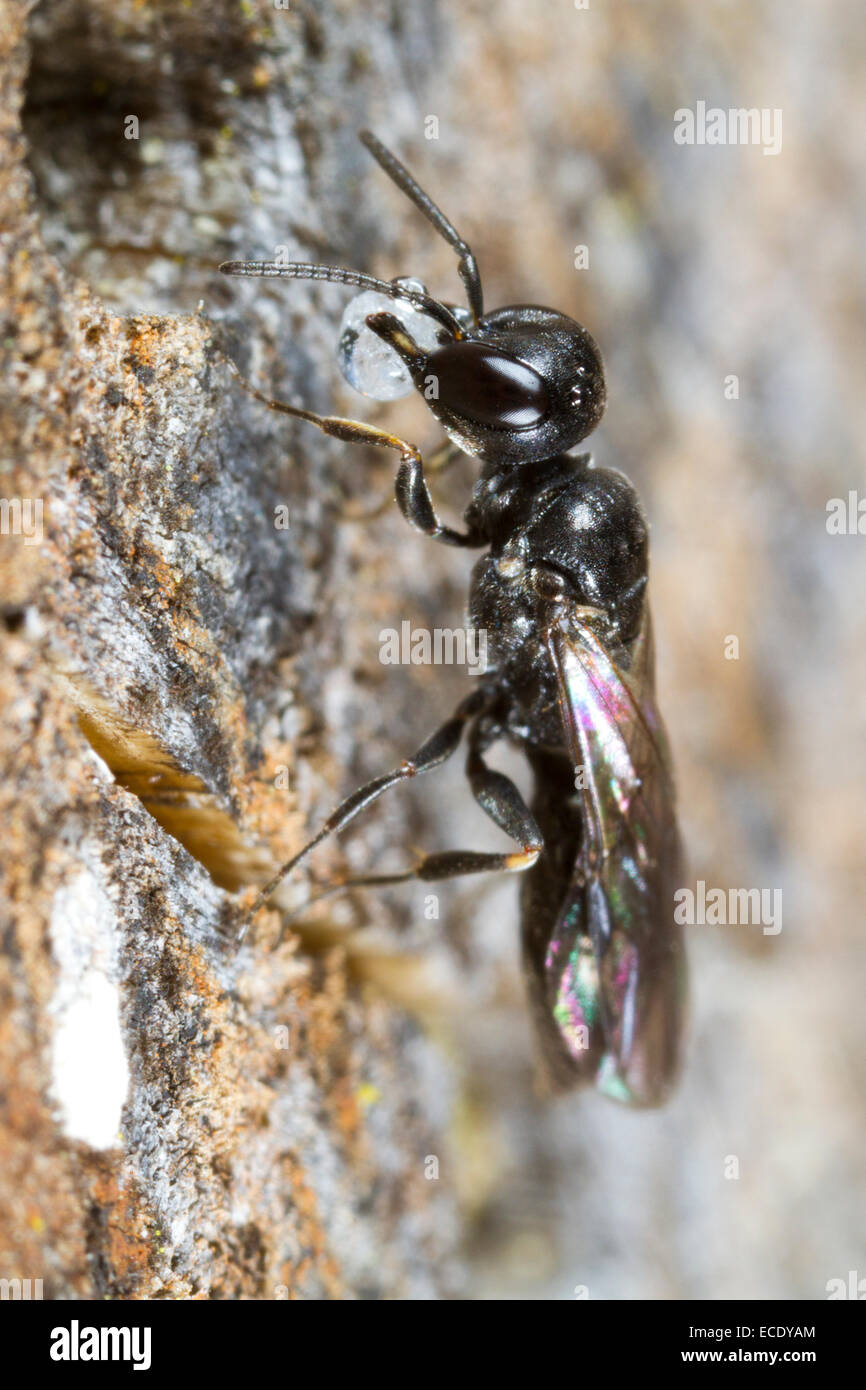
182	1119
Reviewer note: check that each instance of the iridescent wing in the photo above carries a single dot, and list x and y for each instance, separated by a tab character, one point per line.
614	968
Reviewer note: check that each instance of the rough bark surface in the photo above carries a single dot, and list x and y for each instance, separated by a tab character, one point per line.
180	1120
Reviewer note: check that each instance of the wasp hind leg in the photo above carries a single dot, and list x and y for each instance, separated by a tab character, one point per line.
500	799
436	750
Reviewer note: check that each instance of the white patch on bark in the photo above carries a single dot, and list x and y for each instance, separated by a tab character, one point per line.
89	1071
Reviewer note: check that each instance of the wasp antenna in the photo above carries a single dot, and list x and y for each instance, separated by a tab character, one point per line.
339	275
399	174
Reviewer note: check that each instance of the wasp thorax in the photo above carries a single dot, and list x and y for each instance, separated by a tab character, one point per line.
548	584
370	365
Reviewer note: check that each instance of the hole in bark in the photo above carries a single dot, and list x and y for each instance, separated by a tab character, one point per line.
128	117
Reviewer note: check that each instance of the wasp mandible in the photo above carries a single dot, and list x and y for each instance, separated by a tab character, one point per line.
561	591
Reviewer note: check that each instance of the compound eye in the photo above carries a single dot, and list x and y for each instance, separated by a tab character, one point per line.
487	387
548	584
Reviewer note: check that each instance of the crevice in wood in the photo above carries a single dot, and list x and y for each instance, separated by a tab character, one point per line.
179	801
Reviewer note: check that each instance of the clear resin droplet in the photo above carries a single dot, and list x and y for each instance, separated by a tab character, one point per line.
368	364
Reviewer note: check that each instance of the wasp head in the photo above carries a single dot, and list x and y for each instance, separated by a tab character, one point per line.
525	383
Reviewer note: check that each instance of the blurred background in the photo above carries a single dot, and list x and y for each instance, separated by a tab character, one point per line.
725	286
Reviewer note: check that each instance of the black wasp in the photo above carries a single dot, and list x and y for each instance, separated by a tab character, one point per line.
561	594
